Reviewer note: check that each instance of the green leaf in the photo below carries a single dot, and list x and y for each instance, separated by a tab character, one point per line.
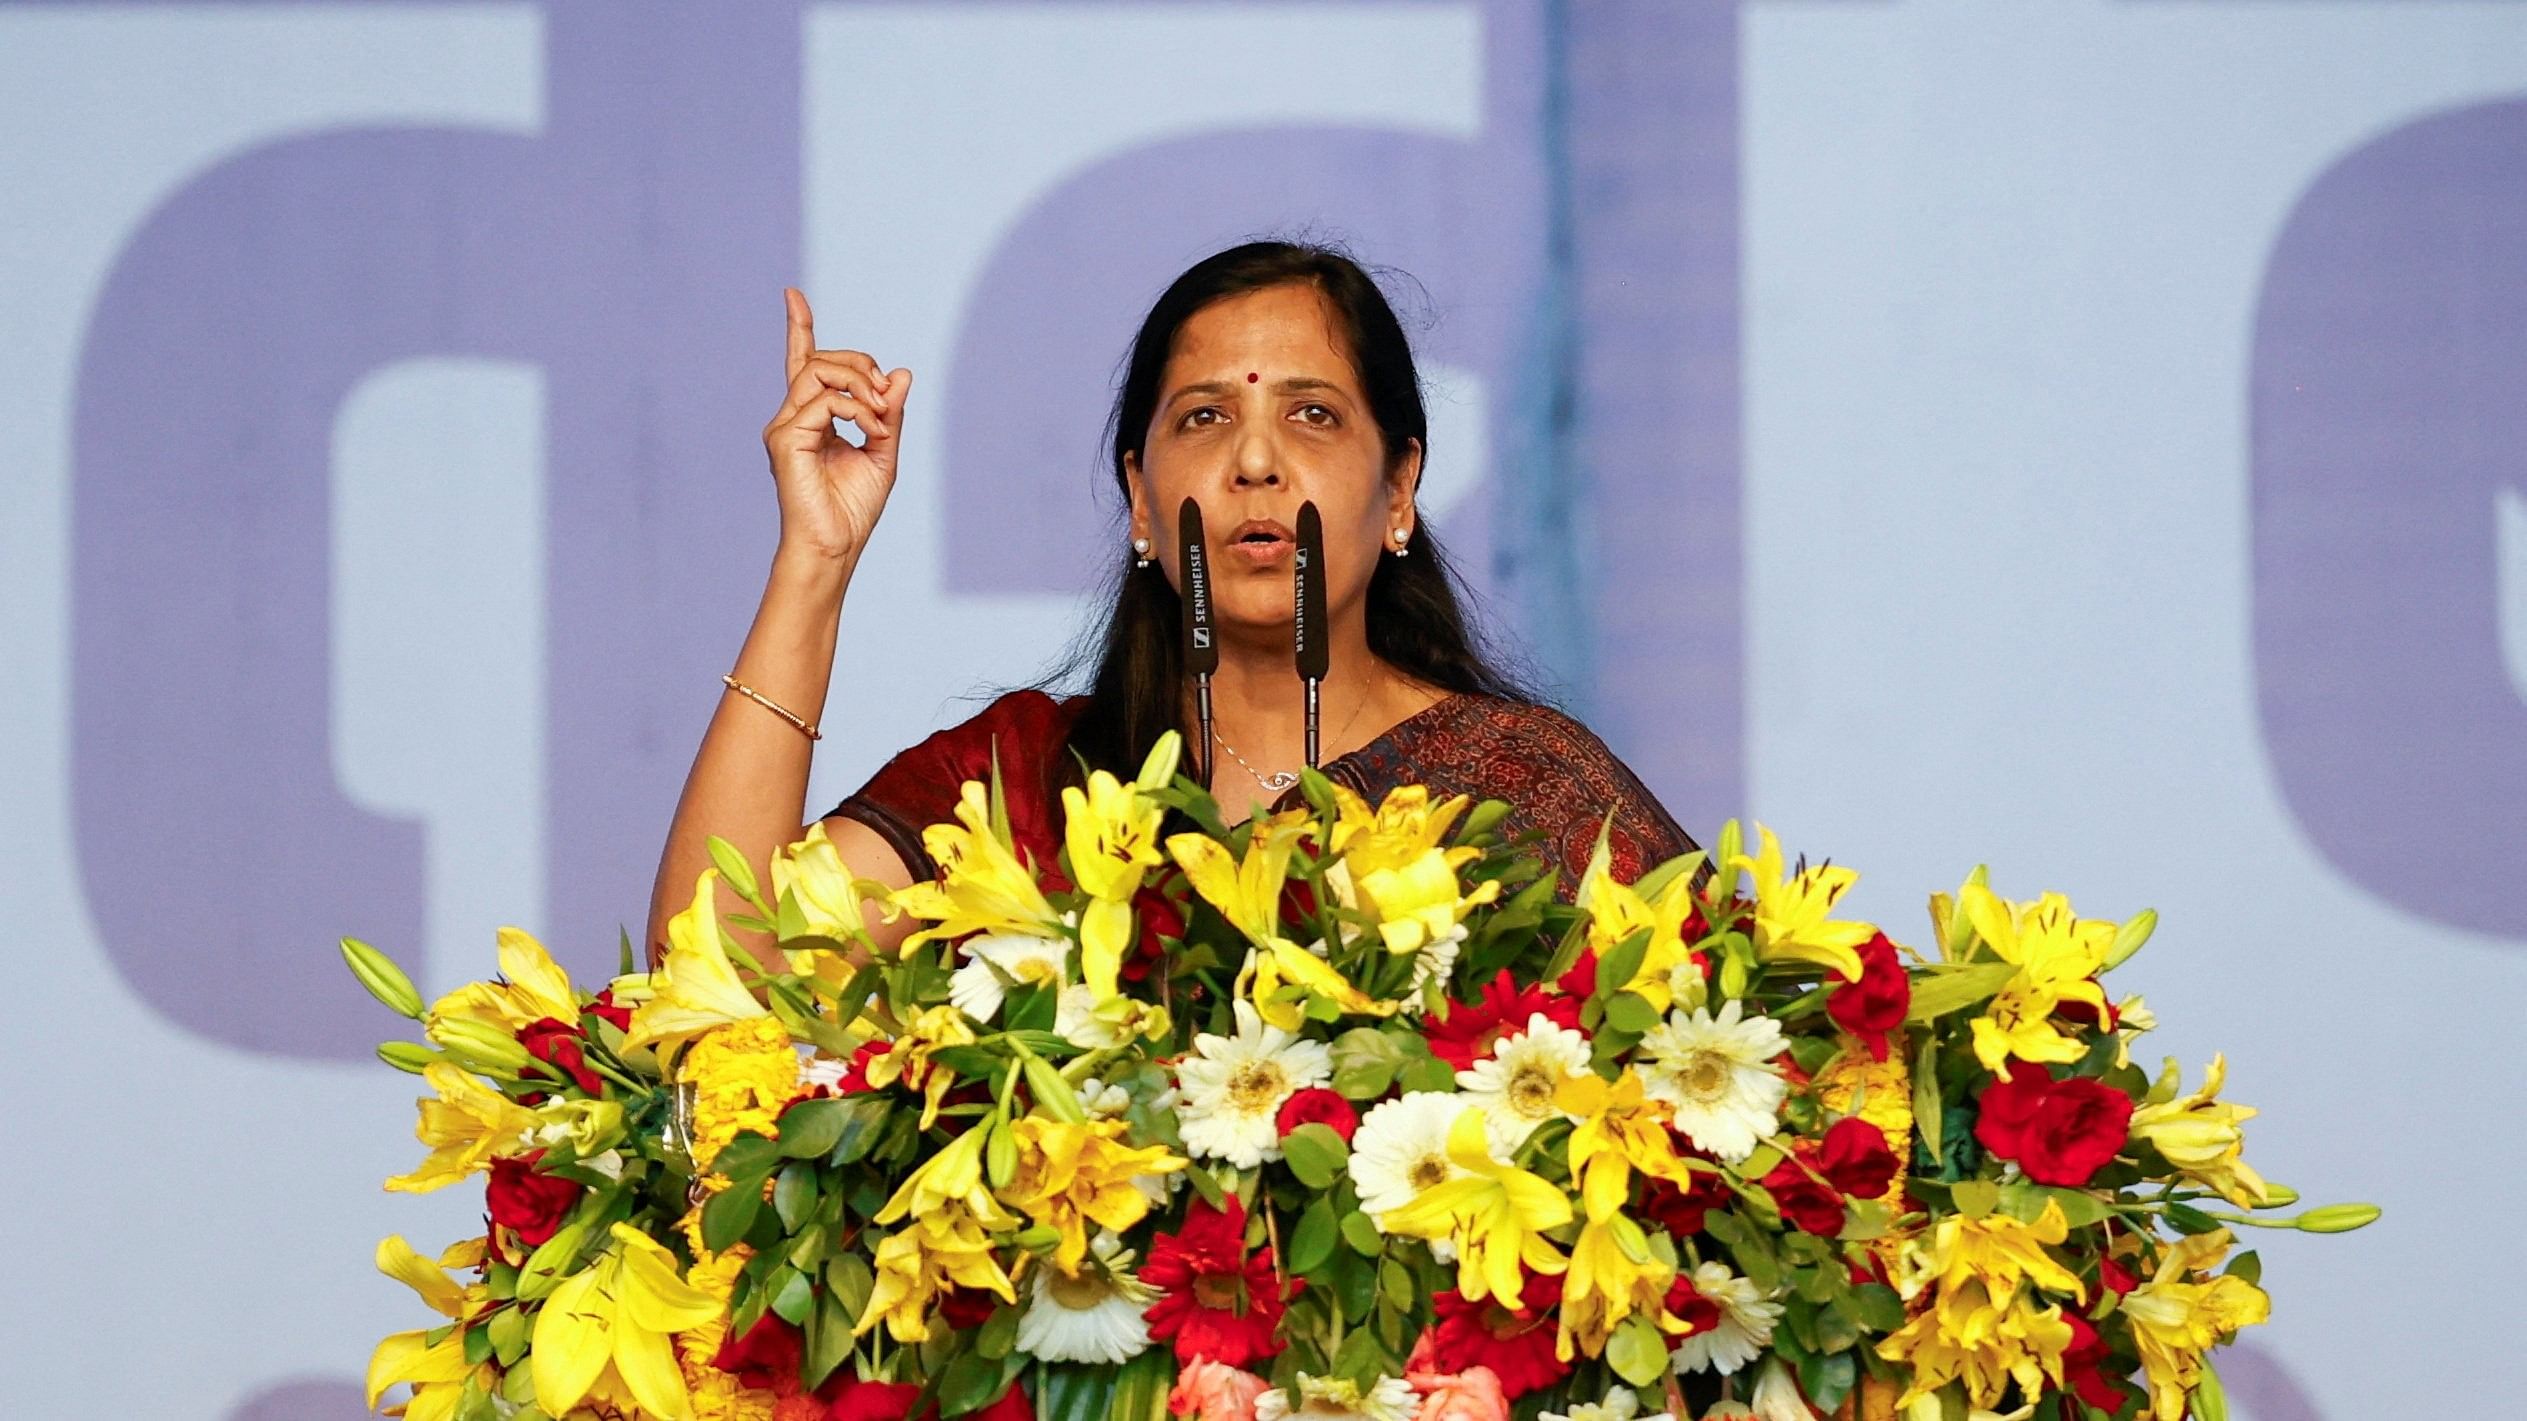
811	1127
1630	1012
1142	1385
1636	1351
1365	1062
1926	1114
730	1214
1362	1234
1941	990
998	1336
1621	963
971	1382
1975	1198
828	1336
1828	1378
1315	1154
748	1154
1073	1391
2247	1267
792	1295
1427	1073
1881	1308
1313	1241
1396	1286
2187	1219
864	1122
794	1194
507	1333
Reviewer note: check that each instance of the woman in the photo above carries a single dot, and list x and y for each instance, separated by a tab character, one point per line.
1265	377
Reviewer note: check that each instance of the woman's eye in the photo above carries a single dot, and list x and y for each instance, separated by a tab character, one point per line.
1194	414
1317	409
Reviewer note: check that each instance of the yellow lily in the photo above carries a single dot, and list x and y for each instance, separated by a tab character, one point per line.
533	988
981	886
1793	912
1984	1336
829	896
1619	1130
468	1126
944	1247
1070	1175
437	1373
1496	1213
2056	954
1111	830
1403	828
2200	1136
1246	891
696	988
952	1176
1616	911
1995	1249
1613	1276
1283	962
2176	1319
617	1315
907	1057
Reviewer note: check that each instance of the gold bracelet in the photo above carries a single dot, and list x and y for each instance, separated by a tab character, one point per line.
759	698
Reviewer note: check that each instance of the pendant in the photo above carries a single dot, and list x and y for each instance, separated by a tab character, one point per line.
1278	780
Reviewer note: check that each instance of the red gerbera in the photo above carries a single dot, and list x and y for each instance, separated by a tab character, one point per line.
1220	1301
1516	1343
1470	1030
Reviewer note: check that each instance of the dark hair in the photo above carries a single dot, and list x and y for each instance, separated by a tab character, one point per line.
1414	621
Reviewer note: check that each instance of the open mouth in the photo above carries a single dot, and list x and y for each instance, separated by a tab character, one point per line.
1261	540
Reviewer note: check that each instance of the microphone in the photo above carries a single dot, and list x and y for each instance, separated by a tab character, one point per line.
1315	654
1201	650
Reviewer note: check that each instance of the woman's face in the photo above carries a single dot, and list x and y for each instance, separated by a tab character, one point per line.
1259	411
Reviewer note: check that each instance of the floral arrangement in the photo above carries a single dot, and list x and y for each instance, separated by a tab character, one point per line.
1342	1114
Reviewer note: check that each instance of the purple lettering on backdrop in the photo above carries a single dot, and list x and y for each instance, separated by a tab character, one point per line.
1580	253
635	251
2390	352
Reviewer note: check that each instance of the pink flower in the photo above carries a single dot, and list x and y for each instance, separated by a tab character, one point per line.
1215	1391
1470	1395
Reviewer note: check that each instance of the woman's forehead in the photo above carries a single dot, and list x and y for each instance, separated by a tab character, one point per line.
1277	332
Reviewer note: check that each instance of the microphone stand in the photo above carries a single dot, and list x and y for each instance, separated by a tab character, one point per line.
1201	648
1315	654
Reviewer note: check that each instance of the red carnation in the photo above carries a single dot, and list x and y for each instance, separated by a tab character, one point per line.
1516	1343
765	1357
1318	1106
1012	1406
2081	1363
872	1401
532	1205
1875	1003
964	1309
1680	1212
2071	1009
1219	1301
1805	1200
2060	1132
1160	918
1581	980
1470	1030
606	1007
855	1077
556	1043
2114	1277
1855	1157
1699	1313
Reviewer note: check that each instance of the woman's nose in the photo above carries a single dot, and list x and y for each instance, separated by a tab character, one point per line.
1258	463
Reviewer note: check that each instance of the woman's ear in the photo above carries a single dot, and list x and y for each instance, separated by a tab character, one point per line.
1402	483
1136	516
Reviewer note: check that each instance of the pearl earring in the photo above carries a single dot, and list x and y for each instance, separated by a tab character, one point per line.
1403	537
1140	546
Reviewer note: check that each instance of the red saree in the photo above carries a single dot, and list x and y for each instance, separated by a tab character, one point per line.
1555	773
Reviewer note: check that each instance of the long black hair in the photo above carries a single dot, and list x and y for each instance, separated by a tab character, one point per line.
1415	623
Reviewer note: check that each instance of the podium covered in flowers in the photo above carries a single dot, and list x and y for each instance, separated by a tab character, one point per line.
1344	1113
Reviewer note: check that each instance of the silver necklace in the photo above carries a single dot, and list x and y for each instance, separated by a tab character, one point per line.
1278	780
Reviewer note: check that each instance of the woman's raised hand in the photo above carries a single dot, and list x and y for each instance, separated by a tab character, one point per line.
832	490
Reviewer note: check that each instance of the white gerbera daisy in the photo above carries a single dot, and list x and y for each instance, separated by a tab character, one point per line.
1621	1404
1401	1148
1095	1317
978	990
1334	1399
1516	1084
1744	1328
1716	1074
1231	1087
1436	959
1776	1396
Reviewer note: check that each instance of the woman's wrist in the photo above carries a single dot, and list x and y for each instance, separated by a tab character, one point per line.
807	572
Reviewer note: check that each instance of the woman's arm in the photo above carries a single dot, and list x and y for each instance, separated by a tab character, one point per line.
748	784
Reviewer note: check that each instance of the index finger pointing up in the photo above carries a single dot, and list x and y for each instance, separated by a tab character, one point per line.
802	329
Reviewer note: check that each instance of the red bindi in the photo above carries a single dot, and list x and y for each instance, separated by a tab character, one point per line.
1252	377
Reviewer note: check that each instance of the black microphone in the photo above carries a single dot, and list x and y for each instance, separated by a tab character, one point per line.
1315	655
1201	650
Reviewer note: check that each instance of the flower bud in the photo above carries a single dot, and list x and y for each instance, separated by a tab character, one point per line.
383	979
2337	1218
1038	1239
2279	1196
479	1046
406	1055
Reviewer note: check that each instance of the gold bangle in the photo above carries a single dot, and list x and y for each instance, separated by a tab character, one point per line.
759	698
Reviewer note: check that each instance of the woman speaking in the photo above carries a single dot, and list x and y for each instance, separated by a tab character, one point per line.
1265	377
